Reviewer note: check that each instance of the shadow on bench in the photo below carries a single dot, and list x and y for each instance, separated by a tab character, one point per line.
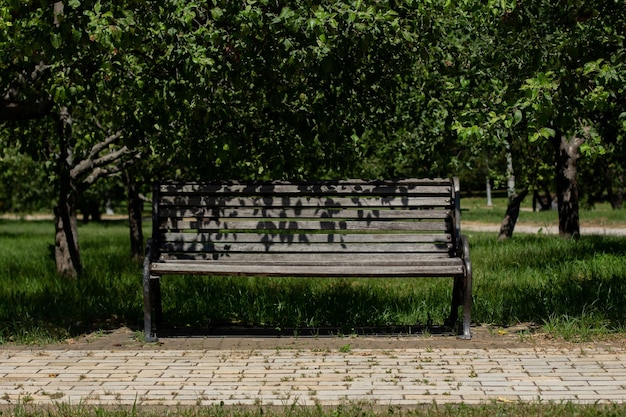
350	228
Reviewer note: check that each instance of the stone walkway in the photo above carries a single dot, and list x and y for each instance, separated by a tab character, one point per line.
584	374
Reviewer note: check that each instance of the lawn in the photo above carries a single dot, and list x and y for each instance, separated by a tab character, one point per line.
574	289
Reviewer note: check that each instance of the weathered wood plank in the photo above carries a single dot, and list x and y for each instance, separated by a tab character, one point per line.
391	258
306	213
325	224
305	270
304	248
304	237
348	187
304	202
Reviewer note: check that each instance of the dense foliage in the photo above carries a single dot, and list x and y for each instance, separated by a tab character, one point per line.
301	89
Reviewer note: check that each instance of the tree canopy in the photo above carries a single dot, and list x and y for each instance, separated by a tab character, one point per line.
323	89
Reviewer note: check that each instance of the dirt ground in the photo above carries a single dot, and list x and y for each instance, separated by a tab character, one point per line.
483	337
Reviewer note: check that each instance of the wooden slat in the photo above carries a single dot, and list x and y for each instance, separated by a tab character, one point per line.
305	238
405	187
207	268
322	228
303	202
326	224
266	247
310	213
318	259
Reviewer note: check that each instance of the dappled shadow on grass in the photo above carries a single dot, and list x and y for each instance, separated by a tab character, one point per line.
228	305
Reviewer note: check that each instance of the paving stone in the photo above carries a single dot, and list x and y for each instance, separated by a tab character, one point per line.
400	376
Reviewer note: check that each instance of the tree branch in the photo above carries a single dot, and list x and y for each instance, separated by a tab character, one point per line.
110	157
100	172
91	161
100	146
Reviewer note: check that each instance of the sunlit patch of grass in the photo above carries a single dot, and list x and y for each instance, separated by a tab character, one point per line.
475	209
583	328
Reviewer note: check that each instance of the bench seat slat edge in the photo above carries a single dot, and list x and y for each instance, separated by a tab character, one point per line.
415	186
308	270
304	202
287	238
331	225
396	258
278	213
338	247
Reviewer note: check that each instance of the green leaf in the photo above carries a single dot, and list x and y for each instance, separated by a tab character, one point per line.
546	132
56	40
286	13
543	133
217	13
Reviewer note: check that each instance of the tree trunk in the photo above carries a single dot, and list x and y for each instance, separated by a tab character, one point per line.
135	206
66	250
512	214
566	185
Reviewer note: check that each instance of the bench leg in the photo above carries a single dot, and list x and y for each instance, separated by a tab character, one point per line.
462	295
467	304
147	310
467	290
155	301
148	295
149	300
152	310
457	300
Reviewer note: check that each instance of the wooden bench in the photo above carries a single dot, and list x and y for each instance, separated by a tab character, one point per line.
349	228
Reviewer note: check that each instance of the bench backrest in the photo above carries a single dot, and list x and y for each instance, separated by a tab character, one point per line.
209	220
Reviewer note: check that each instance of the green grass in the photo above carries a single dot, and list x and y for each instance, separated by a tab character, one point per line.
575	289
348	410
475	209
38	306
548	280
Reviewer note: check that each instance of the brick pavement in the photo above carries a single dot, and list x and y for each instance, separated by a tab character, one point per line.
307	377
